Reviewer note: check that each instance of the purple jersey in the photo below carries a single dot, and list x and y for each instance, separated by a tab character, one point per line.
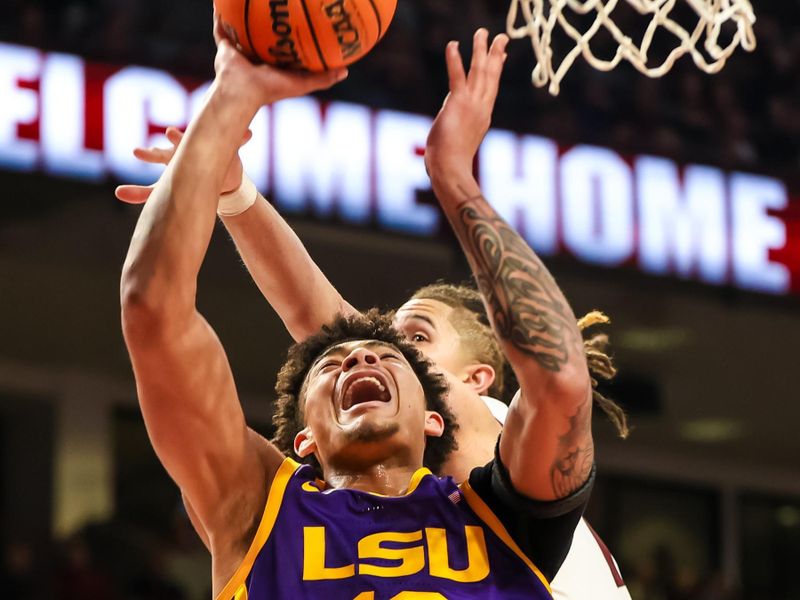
438	541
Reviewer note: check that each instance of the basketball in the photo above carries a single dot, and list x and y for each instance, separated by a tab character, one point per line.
315	35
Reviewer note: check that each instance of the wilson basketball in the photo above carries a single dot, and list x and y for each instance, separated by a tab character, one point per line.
316	35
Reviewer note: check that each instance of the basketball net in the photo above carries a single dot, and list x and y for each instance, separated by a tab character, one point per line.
712	15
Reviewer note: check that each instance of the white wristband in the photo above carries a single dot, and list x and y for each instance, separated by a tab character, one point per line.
236	202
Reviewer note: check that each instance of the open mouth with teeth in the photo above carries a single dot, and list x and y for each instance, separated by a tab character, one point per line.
364	389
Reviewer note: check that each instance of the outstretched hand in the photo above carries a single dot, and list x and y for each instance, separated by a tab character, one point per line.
466	114
263	84
138	194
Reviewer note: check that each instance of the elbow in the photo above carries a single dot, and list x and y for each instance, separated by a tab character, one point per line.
154	297
575	388
570	388
575	376
139	312
305	321
149	319
146	307
132	292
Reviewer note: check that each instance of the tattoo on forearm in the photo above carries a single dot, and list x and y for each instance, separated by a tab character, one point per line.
529	312
526	306
571	470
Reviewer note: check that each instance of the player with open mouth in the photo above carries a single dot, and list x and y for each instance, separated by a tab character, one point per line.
359	402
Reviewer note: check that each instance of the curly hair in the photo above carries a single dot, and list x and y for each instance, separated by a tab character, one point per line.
372	325
471	321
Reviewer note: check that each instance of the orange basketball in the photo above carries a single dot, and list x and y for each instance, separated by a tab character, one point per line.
316	35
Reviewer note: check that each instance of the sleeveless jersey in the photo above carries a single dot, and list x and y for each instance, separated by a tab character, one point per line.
589	572
438	541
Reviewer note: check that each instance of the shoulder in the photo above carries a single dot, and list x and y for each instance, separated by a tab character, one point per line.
235	551
543	530
255	510
589	569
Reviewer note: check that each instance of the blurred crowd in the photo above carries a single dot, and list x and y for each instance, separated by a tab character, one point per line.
660	577
113	560
745	117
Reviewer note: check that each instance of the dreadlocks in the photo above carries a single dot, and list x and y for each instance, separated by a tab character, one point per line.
601	366
470	320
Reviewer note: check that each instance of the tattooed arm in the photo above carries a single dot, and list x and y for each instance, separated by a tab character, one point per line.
546	443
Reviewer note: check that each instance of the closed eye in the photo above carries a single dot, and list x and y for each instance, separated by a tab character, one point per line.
394	356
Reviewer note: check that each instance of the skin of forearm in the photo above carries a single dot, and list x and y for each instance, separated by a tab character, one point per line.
175	227
529	313
283	270
537	329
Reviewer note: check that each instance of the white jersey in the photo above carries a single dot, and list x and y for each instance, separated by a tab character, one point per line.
589	571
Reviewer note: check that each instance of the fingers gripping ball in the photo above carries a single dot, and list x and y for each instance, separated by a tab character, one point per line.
316	35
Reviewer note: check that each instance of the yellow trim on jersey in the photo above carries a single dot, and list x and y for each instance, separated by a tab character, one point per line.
486	515
416	479
318	485
235	588
310	486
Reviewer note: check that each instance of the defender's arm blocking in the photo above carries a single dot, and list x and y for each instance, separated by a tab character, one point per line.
280	265
547	443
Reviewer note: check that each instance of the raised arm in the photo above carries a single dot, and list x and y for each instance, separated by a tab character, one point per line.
275	257
184	382
287	276
546	442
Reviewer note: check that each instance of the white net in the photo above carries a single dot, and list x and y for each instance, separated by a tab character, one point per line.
539	19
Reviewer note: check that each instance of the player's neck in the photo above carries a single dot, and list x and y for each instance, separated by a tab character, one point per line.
476	435
475	449
383	478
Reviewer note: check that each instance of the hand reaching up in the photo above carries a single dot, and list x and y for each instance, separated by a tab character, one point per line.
466	114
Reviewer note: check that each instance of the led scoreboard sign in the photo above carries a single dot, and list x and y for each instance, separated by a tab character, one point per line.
62	115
